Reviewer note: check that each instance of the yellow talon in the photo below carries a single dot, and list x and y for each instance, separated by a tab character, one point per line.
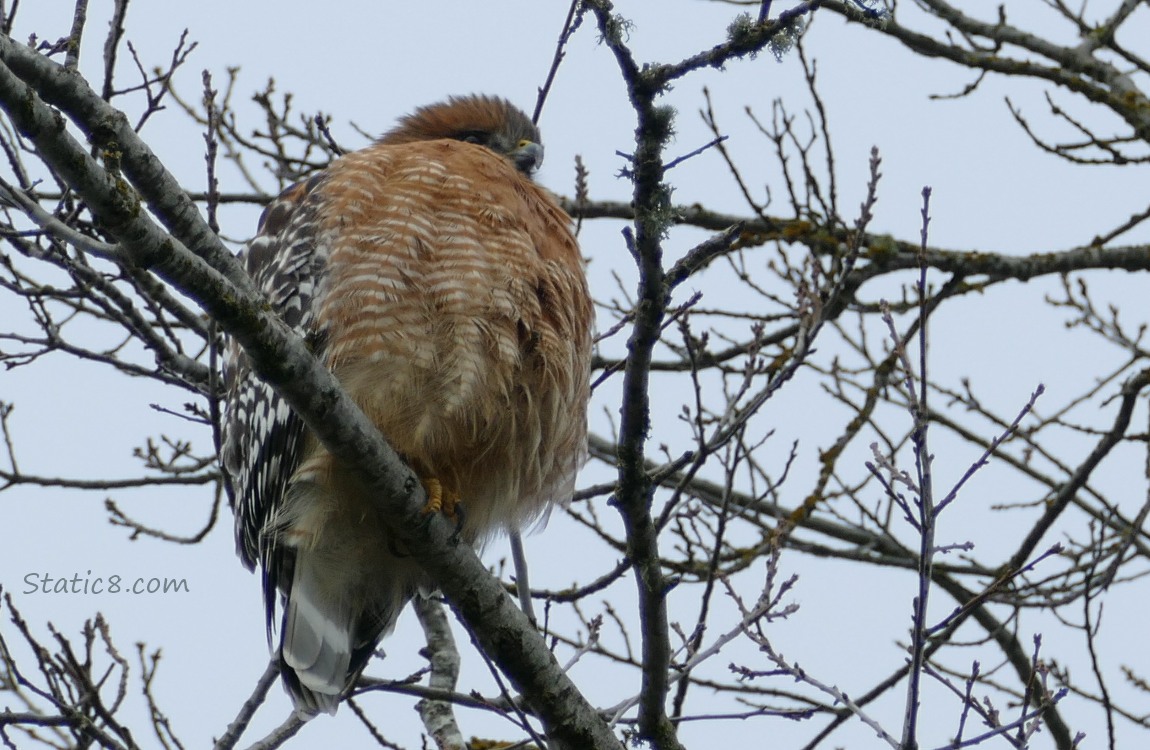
438	500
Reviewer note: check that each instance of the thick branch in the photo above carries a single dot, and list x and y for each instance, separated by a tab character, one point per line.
883	251
634	494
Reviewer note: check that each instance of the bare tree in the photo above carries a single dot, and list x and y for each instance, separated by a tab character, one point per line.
705	513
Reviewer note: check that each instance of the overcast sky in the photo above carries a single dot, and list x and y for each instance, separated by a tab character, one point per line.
368	63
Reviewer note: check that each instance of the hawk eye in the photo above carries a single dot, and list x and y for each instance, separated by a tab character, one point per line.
477	137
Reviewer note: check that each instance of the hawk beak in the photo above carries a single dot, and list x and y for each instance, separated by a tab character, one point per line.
527	156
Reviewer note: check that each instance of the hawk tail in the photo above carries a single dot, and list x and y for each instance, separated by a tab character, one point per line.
326	640
315	643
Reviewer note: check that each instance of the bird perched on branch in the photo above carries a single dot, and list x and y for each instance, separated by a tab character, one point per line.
446	292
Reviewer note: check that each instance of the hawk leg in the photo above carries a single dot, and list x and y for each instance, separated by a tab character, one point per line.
442	501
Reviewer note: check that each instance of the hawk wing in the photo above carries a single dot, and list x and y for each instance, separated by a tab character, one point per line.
262	437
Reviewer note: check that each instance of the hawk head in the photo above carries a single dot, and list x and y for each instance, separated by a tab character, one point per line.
488	121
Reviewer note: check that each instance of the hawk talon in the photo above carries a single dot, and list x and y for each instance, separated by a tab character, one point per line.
434	490
442	501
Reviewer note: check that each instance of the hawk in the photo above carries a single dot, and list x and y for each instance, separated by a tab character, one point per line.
446	292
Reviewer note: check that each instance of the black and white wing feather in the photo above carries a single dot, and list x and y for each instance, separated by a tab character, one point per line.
261	436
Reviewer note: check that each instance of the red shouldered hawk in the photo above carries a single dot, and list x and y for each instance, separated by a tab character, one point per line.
446	292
